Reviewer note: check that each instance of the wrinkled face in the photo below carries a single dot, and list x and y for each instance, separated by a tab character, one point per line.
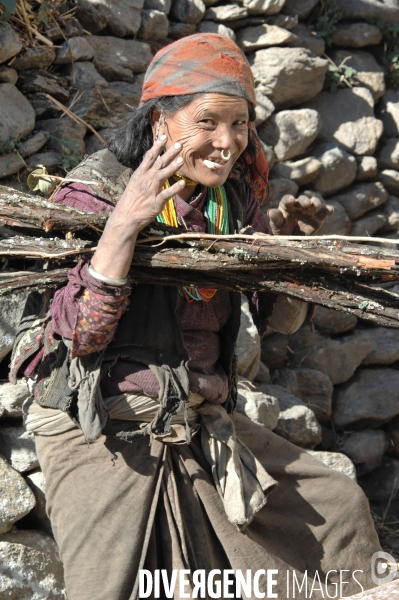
211	124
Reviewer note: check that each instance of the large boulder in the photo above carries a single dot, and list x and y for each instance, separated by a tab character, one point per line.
37	81
279	187
390	180
391	212
263	7
388	157
338	358
30	567
274	350
296	423
64	132
290	132
382	484
356	35
187	11
307	38
116	59
369	10
257	405
11	309
224	13
12	398
333	322
17	500
10	44
219	28
359	199
38	516
75	49
17	117
18	446
338	223
313	387
302	8
367	226
35	58
367	168
388	112
301	171
370	397
248	344
336	461
365	449
386	346
263	36
122	16
84	76
369	74
338	168
290	76
154	25
347	118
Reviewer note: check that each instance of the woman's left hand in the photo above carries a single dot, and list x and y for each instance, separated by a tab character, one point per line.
298	216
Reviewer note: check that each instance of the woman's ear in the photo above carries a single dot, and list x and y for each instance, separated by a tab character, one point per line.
157	123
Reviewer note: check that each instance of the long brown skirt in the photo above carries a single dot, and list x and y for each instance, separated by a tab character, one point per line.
117	507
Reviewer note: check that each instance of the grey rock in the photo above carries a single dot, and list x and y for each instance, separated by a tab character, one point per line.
333	322
39	81
10	164
154	25
391	212
338	168
89	16
369	74
63	130
388	157
12	398
290	132
369	224
32	144
383	483
212	27
313	387
162	5
8	75
278	188
274	351
302	8
356	35
181	30
11	309
248	344
30	567
189	11
386	346
10	43
390	180
296	422
289	75
263	375
263	7
338	358
122	16
367	168
75	49
17	116
18	446
392	430
263	36
264	109
258	406
307	38
42	105
35	58
338	223
16	497
116	59
348	119
102	107
93	144
301	171
388	112
335	461
84	76
51	160
284	21
228	12
270	156
370	397
359	199
366	449
369	10
38	516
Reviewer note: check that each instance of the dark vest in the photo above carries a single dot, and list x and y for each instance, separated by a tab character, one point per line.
149	332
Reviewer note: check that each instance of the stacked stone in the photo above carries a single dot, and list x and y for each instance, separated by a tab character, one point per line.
334	390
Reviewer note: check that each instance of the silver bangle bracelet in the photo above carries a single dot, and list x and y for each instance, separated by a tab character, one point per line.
104	278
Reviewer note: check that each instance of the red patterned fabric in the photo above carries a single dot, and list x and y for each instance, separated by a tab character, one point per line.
203	62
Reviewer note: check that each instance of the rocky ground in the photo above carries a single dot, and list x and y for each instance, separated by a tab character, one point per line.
328	114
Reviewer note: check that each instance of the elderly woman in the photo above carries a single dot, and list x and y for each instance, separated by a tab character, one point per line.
146	464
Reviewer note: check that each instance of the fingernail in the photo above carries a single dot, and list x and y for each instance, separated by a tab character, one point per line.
177	145
179	159
163	138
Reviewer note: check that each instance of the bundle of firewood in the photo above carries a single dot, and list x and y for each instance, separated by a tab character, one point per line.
333	271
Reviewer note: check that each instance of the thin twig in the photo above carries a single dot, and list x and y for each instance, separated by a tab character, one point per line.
47	176
76	118
35	253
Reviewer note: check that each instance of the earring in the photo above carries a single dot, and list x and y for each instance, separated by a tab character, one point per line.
161	121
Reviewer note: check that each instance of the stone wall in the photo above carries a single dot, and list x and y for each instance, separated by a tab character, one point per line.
329	125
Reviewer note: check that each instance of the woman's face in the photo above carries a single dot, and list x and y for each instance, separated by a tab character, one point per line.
211	124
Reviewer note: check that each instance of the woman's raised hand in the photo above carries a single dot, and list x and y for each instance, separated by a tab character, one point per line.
298	216
144	198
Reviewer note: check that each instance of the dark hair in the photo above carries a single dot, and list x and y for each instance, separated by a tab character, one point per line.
130	142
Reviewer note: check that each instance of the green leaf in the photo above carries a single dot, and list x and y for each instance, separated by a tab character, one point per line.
42	13
5	16
9	5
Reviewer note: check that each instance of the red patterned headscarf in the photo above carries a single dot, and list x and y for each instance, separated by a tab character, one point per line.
204	63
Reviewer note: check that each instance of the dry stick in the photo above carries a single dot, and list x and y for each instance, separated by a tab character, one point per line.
76	118
62	179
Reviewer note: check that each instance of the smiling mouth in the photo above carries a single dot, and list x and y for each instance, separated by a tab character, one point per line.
214	163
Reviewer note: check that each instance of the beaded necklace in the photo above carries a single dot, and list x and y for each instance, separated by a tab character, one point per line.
218	218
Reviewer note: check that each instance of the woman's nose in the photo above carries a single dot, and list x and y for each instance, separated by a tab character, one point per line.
224	137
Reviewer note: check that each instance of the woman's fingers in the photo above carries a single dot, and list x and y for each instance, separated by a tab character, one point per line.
169	192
